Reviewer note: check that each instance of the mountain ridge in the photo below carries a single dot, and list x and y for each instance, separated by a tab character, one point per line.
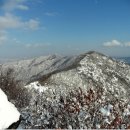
50	80
50	63
107	82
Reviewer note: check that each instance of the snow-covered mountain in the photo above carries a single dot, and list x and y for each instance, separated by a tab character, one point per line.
125	59
32	69
86	91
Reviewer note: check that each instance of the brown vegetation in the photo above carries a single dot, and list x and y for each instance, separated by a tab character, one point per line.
14	91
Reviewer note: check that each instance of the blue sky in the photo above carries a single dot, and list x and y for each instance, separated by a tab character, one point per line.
40	27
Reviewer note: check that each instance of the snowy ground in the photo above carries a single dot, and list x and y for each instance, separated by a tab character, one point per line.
8	113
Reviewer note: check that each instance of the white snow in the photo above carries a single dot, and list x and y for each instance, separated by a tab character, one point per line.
98	126
127	111
105	111
37	86
8	112
110	107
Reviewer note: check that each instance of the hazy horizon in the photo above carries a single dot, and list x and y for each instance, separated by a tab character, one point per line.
31	28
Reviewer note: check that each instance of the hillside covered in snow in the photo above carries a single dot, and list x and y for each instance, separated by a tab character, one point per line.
86	91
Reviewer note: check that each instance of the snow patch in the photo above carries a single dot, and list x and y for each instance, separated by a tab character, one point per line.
37	86
8	112
105	111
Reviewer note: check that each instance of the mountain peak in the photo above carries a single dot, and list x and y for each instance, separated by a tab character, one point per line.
58	83
32	69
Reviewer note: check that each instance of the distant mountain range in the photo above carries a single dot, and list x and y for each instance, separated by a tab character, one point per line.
2	60
124	59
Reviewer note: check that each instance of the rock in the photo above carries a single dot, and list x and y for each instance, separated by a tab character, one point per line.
15	125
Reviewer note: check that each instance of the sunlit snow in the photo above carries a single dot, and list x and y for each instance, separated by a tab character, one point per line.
8	113
37	86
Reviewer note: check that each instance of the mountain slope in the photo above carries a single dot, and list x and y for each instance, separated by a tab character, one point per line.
30	70
86	91
95	70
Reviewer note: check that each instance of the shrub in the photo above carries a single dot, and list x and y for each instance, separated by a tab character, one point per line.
79	109
16	93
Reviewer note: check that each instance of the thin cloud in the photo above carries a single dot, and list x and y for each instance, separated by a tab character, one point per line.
37	45
127	44
113	43
10	5
116	43
22	7
51	13
32	24
9	21
15	40
3	37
